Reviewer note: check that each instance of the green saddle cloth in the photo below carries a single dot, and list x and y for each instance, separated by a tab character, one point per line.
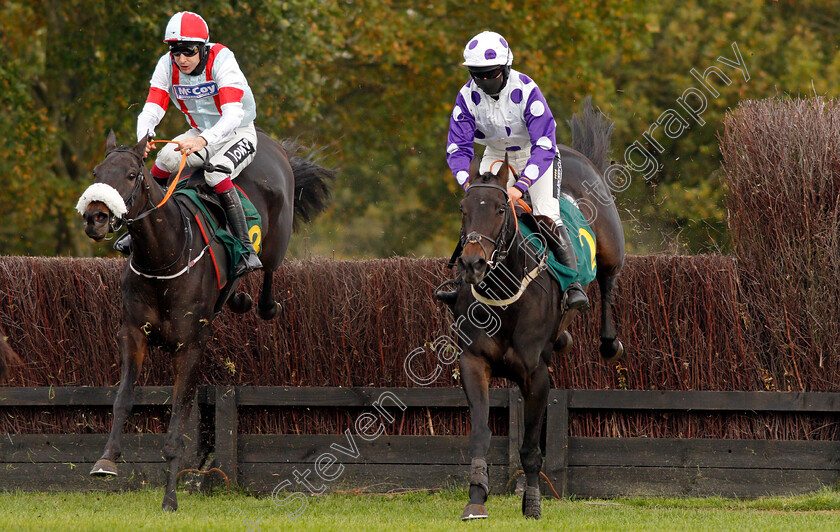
583	243
234	247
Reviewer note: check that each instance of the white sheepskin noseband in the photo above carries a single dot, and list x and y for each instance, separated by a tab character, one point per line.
107	195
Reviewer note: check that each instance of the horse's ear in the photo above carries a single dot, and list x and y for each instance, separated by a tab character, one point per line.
111	142
140	147
503	172
475	164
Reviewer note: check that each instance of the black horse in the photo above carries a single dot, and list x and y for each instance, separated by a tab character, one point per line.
512	337
169	294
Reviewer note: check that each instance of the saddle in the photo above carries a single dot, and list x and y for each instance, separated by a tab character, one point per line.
582	238
203	205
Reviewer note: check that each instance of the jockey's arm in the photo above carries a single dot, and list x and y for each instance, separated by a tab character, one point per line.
459	143
157	101
541	130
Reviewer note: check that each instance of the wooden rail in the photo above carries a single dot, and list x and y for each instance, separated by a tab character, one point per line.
596	467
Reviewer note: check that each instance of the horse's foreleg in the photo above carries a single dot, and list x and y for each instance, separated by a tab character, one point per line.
133	348
535	398
185	367
611	347
475	377
267	307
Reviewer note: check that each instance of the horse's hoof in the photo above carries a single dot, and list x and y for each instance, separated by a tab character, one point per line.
611	350
269	312
240	303
474	511
170	504
104	468
563	344
531	506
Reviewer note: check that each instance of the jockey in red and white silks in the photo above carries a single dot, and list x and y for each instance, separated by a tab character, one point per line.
218	105
205	82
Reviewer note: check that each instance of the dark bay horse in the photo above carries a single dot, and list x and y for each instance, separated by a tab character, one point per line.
7	356
514	338
169	297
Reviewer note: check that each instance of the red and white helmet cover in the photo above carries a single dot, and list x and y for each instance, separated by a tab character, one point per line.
186	26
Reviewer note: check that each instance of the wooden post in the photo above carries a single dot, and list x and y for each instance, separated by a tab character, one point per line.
557	441
227	431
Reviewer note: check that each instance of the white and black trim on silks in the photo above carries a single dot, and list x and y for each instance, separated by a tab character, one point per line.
558	176
240	151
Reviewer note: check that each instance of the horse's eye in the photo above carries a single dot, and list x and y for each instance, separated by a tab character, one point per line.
132	176
501	211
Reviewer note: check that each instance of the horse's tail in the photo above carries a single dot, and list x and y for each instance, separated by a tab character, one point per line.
7	356
312	183
591	132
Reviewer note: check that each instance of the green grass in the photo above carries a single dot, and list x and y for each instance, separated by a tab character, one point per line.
132	511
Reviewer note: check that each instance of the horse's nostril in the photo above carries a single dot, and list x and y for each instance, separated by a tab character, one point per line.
101	217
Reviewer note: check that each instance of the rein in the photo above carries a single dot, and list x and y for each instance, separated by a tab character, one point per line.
181	166
475	237
141	178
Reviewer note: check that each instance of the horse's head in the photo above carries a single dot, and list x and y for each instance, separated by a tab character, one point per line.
117	181
486	222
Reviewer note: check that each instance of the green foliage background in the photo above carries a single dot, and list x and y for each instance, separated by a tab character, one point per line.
372	83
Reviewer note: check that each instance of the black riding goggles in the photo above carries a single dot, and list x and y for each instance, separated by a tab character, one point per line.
487	74
188	51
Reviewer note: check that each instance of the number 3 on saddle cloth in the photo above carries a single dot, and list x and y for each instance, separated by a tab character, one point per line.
223	247
583	244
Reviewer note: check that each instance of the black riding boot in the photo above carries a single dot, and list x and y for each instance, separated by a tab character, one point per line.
123	244
557	239
239	228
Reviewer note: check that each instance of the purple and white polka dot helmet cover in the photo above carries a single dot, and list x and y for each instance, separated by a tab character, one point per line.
488	48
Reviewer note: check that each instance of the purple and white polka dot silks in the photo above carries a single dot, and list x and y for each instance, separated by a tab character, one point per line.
488	48
519	118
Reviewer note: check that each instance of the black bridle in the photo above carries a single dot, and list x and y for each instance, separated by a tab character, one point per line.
142	179
498	254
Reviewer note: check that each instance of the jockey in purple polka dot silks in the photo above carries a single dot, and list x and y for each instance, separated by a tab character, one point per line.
204	81
505	111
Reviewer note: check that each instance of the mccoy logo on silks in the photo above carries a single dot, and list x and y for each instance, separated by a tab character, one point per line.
194	92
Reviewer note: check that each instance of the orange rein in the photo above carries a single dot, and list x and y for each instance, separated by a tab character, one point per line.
519	201
170	189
